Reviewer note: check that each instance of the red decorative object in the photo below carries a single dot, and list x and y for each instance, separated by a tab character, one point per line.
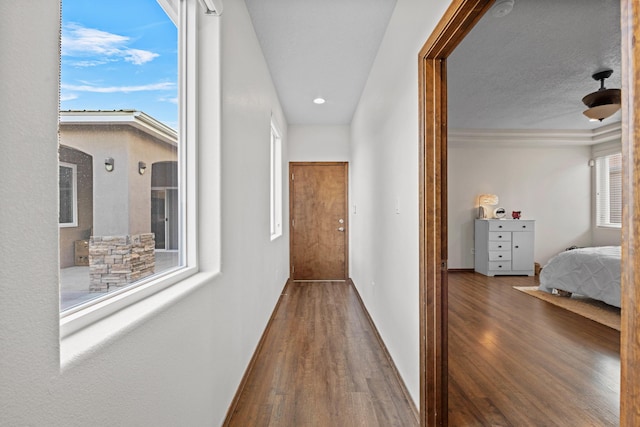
515	214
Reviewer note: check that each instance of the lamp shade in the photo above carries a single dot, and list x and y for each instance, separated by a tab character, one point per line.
601	112
488	199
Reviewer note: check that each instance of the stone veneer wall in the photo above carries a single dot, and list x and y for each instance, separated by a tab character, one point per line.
116	261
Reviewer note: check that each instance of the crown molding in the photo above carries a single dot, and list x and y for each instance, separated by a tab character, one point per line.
535	137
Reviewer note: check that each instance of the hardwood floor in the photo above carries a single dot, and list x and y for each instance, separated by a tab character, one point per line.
515	360
321	364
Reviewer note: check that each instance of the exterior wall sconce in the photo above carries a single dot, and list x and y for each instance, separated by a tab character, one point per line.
108	164
142	167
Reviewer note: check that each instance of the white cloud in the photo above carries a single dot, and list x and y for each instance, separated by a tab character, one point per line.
139	57
121	89
173	100
100	46
68	97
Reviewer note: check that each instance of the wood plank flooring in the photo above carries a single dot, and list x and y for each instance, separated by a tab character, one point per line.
321	364
515	360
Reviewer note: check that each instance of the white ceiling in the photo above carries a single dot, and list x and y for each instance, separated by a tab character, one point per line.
527	70
320	48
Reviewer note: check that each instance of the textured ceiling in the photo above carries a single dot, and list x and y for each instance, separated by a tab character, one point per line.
531	68
527	70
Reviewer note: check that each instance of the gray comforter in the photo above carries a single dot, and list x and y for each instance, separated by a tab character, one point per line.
592	272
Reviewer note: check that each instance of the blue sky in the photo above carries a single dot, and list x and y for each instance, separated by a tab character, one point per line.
119	54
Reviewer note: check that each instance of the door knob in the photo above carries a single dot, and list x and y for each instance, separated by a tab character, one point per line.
340	228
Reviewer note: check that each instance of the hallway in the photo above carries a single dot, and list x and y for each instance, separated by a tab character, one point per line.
321	364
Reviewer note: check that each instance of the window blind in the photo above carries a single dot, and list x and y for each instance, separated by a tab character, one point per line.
609	190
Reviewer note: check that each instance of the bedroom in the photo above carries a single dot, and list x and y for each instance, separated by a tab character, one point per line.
536	159
534	154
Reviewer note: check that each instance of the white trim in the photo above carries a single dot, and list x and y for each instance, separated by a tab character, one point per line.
606	149
171	8
214	7
535	137
74	189
276	190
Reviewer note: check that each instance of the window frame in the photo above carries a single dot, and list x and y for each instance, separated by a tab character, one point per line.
74	196
184	14
275	182
603	191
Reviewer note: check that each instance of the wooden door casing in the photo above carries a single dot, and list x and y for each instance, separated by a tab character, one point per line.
318	220
455	24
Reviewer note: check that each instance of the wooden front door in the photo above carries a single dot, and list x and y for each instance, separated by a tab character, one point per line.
318	220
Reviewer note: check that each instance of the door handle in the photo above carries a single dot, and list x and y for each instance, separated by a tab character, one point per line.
340	228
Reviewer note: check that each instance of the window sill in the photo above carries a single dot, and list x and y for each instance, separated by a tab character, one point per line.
610	227
80	340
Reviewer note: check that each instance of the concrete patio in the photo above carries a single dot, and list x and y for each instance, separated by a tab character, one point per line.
74	281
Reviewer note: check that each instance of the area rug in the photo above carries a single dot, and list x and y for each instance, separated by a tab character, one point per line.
586	307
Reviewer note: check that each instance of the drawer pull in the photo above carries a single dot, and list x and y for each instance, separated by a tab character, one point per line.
516	247
499	226
499	256
524	226
500	246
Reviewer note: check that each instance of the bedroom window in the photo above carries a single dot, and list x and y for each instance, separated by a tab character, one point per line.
276	183
609	191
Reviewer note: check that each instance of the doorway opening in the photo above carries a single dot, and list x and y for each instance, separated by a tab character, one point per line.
456	23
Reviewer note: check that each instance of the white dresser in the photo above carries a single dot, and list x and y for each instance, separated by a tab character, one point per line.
504	246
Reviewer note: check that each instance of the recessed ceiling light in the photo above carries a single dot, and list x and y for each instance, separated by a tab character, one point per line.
319	100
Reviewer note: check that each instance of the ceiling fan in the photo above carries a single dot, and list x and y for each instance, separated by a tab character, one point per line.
604	102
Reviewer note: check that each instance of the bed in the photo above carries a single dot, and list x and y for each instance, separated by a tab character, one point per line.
592	272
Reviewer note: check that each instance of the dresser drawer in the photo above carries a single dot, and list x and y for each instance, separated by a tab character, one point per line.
499	255
500	246
499	265
499	236
511	225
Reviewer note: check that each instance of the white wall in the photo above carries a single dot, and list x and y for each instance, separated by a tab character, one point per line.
384	186
315	143
551	185
179	363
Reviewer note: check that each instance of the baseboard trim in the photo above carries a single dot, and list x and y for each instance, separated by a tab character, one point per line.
460	270
403	386
254	358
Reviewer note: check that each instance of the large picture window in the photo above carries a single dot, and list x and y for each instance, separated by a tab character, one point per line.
122	116
609	191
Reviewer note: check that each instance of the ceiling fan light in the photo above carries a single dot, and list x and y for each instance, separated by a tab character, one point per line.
604	102
601	112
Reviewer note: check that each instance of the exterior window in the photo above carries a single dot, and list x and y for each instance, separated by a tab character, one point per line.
68	196
121	211
609	191
276	183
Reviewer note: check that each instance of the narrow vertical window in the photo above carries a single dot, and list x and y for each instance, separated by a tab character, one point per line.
609	191
276	183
